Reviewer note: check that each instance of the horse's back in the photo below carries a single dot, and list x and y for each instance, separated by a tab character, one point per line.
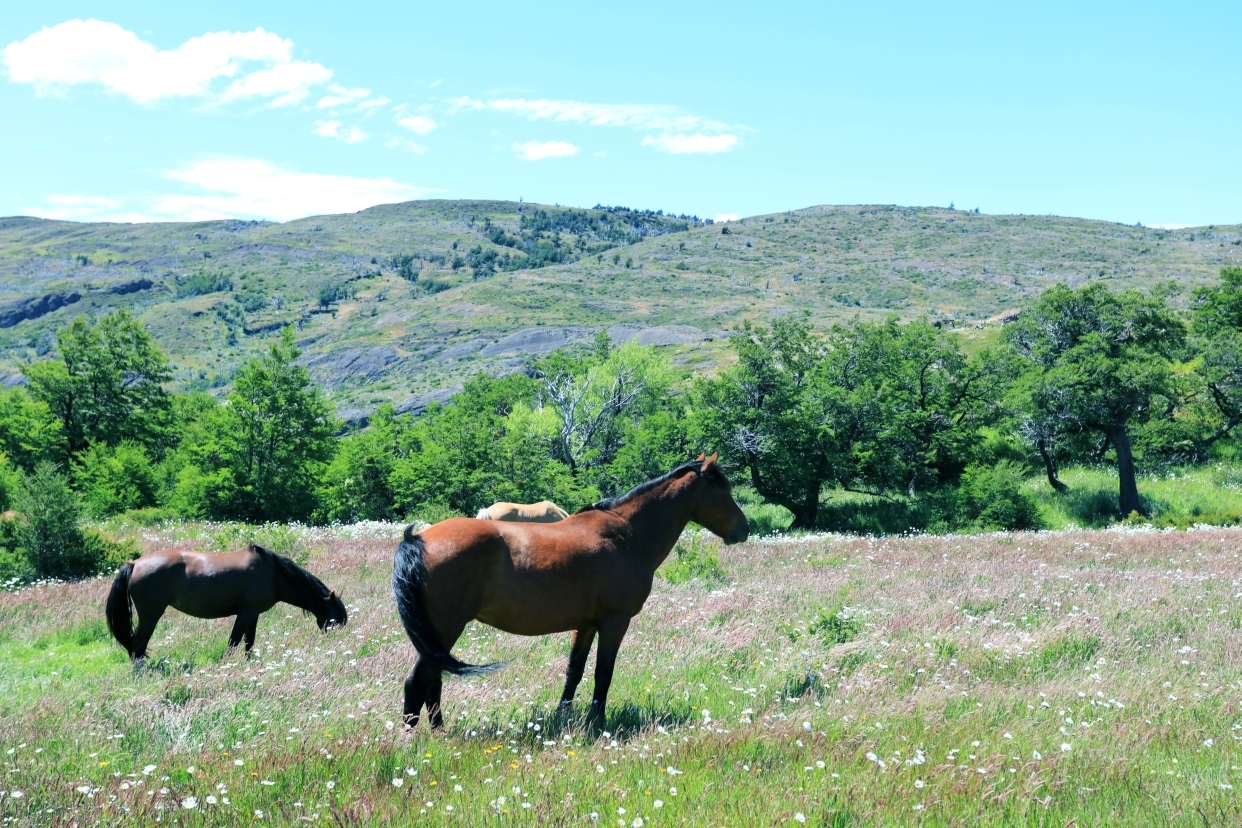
545	511
201	584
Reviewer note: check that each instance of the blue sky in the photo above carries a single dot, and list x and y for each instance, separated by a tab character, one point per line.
1127	112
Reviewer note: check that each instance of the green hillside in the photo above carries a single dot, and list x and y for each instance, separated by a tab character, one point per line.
401	301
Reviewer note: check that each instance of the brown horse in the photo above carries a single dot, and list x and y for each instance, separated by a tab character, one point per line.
590	574
545	511
246	583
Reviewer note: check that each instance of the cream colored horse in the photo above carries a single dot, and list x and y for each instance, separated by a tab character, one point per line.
545	511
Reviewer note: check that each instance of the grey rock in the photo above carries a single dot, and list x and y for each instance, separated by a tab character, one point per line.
335	369
131	287
671	335
538	341
35	306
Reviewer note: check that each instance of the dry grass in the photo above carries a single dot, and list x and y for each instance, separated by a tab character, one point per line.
1033	679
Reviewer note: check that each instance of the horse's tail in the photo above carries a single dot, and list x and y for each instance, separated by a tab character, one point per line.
117	609
483	515
408	575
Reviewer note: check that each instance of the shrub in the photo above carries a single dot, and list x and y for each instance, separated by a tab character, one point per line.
699	557
834	626
117	479
49	541
989	498
433	512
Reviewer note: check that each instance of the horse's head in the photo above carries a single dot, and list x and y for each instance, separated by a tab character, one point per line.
332	613
714	507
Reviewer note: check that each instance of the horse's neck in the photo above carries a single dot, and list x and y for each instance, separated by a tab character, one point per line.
657	518
288	593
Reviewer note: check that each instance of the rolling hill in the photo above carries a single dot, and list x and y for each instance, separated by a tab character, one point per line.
400	302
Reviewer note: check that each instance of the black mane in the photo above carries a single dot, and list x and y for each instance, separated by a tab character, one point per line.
309	591
614	502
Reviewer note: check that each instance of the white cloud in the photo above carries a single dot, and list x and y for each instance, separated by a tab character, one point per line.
373	103
418	124
538	150
725	217
341	97
253	187
405	144
332	129
74	207
638	116
456	105
683	144
94	51
286	82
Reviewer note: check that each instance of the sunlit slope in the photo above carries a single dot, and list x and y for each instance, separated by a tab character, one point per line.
214	292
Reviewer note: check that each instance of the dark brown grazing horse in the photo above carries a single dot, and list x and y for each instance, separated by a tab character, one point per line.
590	573
245	583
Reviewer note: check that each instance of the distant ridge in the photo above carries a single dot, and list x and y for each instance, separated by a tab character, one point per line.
403	301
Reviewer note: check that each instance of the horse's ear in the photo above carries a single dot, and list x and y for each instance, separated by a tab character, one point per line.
709	462
700	458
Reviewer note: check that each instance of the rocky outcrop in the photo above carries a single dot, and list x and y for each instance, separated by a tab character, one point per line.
671	335
537	341
35	306
131	287
335	369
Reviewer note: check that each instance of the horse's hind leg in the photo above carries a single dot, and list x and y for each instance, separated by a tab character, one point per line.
611	631
417	686
578	653
243	627
147	619
434	686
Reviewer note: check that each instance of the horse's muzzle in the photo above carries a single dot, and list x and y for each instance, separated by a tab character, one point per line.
739	533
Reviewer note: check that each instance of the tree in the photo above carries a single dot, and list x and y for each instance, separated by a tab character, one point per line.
268	444
28	432
764	415
599	397
1218	328
1098	361
107	384
887	410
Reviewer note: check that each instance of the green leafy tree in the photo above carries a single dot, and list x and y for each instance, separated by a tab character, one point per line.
765	415
28	432
888	410
107	385
1098	362
265	448
1218	328
49	529
115	479
357	485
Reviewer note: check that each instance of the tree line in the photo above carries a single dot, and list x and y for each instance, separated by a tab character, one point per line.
896	412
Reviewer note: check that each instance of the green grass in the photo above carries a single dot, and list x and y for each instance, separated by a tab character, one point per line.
1031	679
1208	494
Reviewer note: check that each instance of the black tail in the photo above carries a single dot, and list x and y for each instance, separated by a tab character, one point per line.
120	623
408	575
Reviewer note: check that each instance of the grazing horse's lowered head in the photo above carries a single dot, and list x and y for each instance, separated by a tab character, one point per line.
304	590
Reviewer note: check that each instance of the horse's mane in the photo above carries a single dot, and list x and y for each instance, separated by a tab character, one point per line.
641	488
309	590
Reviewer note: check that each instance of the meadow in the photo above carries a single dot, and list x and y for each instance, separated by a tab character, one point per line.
1063	677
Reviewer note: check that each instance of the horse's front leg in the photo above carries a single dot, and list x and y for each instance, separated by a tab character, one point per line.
578	653
611	631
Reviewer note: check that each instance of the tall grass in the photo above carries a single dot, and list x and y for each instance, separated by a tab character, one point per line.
1181	497
1029	678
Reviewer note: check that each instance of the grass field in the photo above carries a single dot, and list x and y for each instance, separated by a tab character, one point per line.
1072	677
